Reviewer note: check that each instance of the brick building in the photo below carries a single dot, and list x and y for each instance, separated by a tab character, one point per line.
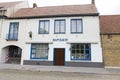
110	37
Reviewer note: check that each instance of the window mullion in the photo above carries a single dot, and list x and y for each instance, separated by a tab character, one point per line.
59	26
76	25
84	51
44	26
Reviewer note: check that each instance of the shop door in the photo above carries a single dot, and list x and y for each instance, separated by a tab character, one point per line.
59	56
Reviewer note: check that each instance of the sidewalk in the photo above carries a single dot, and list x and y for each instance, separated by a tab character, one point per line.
108	71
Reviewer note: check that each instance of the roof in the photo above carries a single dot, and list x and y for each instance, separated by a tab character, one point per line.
87	9
110	24
6	5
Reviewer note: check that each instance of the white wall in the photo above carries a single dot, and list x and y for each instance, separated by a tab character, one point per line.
90	35
4	55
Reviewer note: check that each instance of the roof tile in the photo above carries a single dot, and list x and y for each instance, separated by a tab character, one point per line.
56	10
110	24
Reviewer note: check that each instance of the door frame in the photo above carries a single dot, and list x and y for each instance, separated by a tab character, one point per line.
54	55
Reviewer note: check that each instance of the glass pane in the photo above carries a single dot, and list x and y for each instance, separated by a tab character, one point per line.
87	46
41	27
81	56
73	25
33	51
15	31
73	46
62	26
79	26
82	46
33	46
88	55
33	55
57	27
46	26
11	31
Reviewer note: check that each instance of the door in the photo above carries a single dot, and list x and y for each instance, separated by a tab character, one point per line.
59	56
14	54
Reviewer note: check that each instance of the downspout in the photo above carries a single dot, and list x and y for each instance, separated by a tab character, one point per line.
102	44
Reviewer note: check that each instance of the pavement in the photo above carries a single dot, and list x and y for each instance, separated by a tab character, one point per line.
108	71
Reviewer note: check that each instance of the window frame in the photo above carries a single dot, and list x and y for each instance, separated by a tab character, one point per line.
35	53
76	26
78	59
9	34
44	26
59	26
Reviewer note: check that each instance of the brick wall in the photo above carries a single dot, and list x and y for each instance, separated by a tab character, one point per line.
111	50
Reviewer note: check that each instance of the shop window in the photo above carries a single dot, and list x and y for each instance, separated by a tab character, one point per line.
80	52
39	51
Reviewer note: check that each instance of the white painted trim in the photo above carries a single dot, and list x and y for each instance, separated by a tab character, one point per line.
38	42
92	42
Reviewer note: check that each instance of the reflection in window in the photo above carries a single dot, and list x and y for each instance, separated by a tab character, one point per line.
76	25
44	27
59	26
80	51
39	51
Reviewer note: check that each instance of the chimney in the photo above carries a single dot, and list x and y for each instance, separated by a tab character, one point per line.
93	2
34	5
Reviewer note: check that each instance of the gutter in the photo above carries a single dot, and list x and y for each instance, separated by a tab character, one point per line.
50	16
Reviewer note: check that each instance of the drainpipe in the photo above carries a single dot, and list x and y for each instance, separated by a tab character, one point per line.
102	45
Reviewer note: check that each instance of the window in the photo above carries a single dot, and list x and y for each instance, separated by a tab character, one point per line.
44	27
13	31
80	52
39	51
59	26
76	26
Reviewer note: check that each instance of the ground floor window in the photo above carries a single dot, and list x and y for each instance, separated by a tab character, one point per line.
39	51
80	51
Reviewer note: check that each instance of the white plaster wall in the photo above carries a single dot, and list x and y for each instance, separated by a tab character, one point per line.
90	35
96	53
4	54
0	26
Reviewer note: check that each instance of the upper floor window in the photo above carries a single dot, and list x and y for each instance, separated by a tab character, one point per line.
44	26
76	26
13	31
60	26
80	51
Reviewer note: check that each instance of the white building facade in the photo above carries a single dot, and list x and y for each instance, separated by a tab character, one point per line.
58	39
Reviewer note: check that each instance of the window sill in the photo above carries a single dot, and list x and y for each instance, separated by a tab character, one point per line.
80	60
12	39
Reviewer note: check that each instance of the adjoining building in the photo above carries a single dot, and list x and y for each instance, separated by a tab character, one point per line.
6	49
110	37
58	35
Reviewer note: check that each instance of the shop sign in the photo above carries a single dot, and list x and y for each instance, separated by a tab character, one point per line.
60	39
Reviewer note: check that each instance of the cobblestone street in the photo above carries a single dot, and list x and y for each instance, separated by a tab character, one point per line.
44	75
